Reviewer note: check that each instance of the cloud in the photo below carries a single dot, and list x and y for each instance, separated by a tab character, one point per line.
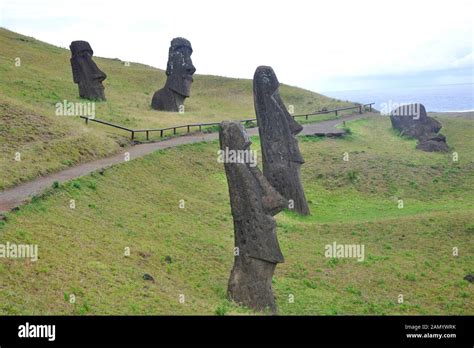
309	43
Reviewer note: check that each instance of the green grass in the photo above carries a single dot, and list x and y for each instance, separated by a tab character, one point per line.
408	251
48	143
44	145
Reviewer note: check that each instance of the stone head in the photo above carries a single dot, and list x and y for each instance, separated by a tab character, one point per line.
233	136
276	126
180	68
267	96
85	72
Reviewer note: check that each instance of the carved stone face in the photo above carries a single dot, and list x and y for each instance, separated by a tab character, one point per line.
85	72
273	117
233	135
280	153
253	200
253	203
180	69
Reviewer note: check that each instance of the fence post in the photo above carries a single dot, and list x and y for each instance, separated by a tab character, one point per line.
360	109
147	135
161	133
87	120
133	135
188	128
370	107
174	130
336	112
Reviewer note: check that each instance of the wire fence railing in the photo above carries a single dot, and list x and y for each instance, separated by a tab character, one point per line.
199	126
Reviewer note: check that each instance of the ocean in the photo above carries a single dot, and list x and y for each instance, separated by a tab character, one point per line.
437	98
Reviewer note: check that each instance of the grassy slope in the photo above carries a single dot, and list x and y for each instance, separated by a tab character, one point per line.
44	78
45	145
408	251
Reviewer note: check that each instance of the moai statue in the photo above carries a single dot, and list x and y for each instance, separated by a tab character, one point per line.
85	72
411	120
280	153
254	202
180	71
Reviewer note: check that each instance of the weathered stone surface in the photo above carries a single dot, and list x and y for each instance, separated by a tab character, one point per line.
85	72
433	143
180	71
469	278
411	120
280	153
146	276
254	202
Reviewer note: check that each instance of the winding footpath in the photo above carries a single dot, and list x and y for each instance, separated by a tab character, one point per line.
20	194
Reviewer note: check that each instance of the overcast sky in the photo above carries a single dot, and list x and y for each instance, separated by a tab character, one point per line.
319	45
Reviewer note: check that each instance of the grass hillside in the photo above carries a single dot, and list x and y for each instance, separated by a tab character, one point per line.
44	144
135	205
44	78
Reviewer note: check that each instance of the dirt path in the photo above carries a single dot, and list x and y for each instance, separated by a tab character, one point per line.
17	195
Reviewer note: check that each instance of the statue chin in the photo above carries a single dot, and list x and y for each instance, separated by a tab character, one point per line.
184	92
92	90
182	87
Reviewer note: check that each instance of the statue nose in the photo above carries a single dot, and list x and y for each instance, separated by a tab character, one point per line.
100	75
191	70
